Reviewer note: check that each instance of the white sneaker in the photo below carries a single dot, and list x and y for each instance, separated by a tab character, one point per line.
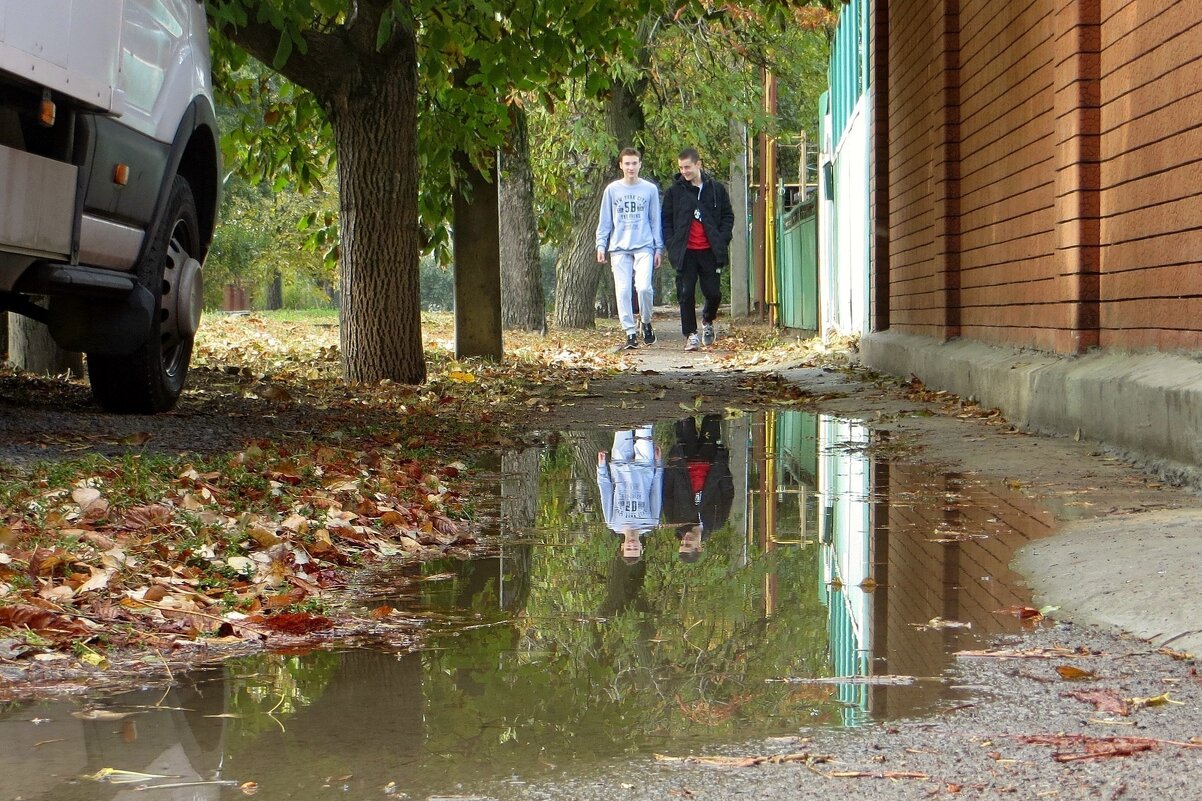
693	343
707	334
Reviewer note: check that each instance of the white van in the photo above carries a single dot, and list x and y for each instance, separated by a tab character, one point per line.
109	182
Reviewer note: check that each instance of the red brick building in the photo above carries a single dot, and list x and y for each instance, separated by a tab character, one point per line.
1035	178
1038	166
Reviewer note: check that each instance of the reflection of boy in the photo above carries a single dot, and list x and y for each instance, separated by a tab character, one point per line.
698	487
631	484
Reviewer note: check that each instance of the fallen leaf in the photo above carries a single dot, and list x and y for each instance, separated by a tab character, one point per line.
1071	673
1107	701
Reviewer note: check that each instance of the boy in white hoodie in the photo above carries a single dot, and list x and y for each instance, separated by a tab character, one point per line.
630	230
631	481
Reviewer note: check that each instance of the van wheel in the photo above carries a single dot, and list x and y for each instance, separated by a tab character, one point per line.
150	379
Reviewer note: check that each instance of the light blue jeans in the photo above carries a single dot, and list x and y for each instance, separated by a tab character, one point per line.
633	268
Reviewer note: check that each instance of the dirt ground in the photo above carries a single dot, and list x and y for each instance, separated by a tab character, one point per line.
1026	735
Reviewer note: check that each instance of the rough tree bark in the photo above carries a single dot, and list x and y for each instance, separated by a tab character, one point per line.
31	348
375	134
523	306
477	269
273	299
577	270
370	96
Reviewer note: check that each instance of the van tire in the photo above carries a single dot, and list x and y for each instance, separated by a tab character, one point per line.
150	379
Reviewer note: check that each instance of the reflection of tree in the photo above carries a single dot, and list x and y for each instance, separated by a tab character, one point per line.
519	490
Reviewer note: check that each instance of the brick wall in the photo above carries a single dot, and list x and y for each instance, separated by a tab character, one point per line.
1151	175
915	295
1044	161
1007	176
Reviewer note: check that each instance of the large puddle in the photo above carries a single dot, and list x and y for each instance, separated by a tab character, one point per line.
813	584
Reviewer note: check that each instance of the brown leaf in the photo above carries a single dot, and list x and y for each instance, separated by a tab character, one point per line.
1071	673
296	623
1106	701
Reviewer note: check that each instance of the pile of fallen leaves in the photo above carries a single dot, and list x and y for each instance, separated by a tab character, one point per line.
245	547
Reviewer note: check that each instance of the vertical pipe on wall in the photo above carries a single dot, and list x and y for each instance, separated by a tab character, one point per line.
946	161
739	283
1077	88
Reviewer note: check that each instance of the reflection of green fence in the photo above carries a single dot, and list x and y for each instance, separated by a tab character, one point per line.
797	266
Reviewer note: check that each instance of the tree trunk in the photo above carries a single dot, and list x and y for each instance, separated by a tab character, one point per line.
477	264
523	307
576	269
374	117
273	299
31	348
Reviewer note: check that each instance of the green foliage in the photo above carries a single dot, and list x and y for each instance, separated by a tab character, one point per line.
260	236
702	73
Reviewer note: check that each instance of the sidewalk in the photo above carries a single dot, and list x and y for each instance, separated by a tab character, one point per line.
1136	572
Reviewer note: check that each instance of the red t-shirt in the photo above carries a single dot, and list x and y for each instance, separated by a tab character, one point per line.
697	238
698	470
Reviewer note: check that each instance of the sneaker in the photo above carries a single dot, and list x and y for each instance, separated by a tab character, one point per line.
648	334
692	343
707	334
632	341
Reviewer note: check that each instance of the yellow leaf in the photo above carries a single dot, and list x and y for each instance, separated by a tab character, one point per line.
95	660
1156	700
137	438
461	377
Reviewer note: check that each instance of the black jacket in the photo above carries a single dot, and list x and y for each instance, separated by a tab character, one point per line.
680	505
717	217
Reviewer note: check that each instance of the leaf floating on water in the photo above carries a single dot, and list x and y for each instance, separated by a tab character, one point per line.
1022	612
874	680
938	623
101	714
118	776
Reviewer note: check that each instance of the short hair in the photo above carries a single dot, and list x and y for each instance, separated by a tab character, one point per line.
630	151
689	153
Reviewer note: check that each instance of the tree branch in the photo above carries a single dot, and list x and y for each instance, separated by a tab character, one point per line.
316	70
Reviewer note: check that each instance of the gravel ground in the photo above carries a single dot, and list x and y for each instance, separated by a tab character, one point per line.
982	749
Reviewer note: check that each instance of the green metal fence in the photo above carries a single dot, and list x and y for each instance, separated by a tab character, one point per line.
797	266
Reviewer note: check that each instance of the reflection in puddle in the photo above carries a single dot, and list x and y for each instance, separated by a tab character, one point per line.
663	588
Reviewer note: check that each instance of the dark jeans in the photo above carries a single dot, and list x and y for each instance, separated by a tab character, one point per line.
698	265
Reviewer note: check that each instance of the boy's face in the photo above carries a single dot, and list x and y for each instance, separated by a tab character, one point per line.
631	166
691	170
632	545
690	541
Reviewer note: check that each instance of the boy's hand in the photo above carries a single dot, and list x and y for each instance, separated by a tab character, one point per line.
600	457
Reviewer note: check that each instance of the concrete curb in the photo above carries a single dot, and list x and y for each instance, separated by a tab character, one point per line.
1136	572
1150	404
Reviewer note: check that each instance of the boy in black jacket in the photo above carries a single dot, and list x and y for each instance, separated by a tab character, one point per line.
698	221
698	487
